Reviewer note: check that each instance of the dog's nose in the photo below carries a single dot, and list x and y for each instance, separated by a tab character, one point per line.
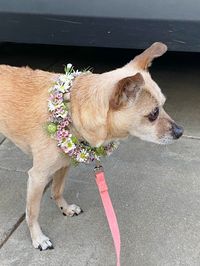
177	131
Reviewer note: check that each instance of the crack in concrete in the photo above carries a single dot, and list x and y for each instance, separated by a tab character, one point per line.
10	231
1	142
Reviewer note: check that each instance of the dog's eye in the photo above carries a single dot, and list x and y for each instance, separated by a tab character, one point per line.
153	115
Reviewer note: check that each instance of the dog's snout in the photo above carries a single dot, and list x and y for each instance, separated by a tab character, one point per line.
177	131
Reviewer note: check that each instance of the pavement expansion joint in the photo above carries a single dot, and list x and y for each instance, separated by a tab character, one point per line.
7	234
1	142
10	231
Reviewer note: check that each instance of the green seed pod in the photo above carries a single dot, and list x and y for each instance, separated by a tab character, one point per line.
52	128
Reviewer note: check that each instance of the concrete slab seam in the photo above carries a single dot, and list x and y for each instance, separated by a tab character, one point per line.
1	142
7	234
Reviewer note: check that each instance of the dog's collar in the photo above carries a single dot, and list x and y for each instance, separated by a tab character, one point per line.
60	121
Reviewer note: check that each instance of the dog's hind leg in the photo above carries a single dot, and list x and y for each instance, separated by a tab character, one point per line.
36	185
57	194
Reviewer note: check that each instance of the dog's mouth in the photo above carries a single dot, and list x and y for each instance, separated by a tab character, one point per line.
166	140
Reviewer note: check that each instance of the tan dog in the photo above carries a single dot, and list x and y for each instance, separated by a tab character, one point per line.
104	107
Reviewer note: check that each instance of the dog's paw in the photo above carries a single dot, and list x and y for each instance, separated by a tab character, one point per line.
42	243
71	210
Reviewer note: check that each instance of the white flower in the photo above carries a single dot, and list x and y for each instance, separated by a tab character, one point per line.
66	86
77	73
69	66
64	115
82	156
69	79
68	145
66	79
51	106
62	89
63	78
96	157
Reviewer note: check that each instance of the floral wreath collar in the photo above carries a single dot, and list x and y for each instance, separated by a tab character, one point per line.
60	121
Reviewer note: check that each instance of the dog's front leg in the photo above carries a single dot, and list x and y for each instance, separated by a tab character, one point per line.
57	194
36	184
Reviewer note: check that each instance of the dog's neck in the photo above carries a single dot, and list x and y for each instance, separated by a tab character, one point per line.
61	124
91	113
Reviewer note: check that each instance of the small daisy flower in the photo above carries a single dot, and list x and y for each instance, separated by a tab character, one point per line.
82	156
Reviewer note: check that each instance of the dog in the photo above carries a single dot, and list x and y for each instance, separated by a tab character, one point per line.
104	107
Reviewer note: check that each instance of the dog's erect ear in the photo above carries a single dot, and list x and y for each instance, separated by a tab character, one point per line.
144	60
126	89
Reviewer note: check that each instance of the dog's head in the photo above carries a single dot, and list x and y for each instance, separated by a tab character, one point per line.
125	102
136	103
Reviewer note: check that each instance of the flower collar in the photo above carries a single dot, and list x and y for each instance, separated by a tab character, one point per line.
60	120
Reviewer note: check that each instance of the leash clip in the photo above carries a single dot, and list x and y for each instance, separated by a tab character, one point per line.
98	168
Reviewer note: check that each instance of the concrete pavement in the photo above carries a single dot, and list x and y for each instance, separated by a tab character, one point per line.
155	190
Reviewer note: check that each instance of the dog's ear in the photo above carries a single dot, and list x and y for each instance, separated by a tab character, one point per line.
145	59
125	90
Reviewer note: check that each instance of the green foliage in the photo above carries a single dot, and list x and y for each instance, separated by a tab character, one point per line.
100	151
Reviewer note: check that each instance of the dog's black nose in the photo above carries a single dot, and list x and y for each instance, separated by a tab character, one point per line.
177	131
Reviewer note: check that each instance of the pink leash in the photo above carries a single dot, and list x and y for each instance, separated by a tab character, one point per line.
110	213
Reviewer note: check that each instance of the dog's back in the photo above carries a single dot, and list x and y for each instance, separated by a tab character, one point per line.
23	102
